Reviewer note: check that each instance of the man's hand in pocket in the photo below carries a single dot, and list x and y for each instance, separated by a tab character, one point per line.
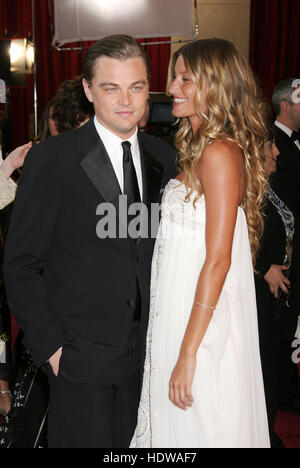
54	361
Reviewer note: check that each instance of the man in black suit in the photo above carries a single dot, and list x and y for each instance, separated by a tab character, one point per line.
286	103
81	296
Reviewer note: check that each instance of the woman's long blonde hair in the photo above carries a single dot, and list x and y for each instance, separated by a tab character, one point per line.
235	112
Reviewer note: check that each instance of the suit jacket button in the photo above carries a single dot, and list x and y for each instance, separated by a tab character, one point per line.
130	303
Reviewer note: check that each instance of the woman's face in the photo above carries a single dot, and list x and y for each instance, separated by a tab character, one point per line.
271	152
183	90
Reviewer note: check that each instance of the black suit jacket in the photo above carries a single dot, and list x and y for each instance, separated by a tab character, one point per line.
286	184
286	179
273	242
65	285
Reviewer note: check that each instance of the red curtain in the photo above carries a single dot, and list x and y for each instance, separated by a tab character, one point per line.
275	41
53	66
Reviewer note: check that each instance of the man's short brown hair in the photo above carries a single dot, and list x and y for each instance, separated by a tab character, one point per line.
118	46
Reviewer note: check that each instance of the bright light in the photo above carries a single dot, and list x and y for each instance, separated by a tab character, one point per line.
21	56
17	50
29	56
107	9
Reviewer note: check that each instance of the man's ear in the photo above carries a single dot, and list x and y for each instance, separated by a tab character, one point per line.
86	87
284	105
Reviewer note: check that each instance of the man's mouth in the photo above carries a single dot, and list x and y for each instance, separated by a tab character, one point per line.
124	113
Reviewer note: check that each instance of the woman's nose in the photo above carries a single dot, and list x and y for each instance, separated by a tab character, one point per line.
275	150
173	87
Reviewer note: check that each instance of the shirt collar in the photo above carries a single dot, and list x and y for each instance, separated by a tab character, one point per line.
284	128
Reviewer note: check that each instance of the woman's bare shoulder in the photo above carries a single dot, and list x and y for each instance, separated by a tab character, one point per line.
220	154
223	149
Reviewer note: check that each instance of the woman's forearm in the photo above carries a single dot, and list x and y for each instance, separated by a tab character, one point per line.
209	287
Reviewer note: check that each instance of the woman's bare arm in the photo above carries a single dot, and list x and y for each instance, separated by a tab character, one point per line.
220	172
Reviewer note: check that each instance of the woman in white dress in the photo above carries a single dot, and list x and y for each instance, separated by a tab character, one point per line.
202	382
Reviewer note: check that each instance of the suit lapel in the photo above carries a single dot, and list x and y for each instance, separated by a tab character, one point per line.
97	166
99	170
287	141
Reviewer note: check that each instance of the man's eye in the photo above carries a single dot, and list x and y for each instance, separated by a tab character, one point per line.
136	89
110	90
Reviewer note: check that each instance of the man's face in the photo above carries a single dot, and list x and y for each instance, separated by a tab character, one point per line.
119	91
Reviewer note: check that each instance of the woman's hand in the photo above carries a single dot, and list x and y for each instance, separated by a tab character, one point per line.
14	160
181	380
276	279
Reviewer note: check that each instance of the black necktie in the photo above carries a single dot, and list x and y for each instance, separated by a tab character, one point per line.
131	188
295	136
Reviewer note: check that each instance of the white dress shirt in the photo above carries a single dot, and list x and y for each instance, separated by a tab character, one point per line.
288	131
113	146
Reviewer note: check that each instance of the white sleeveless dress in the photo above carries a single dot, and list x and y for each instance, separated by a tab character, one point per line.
229	407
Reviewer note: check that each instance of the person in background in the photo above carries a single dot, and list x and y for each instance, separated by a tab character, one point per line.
70	107
47	125
285	183
11	163
272	267
8	188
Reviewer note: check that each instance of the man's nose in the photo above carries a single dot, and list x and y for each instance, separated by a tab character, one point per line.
124	98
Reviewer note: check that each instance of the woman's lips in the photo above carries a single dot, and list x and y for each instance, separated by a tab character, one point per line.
179	101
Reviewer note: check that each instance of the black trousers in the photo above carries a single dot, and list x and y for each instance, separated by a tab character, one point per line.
275	337
101	413
288	370
269	341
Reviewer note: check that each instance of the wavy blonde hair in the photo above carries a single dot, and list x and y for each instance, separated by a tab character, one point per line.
235	112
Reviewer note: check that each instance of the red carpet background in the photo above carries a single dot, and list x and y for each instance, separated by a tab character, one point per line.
288	429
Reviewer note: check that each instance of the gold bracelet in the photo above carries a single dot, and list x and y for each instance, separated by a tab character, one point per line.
203	305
